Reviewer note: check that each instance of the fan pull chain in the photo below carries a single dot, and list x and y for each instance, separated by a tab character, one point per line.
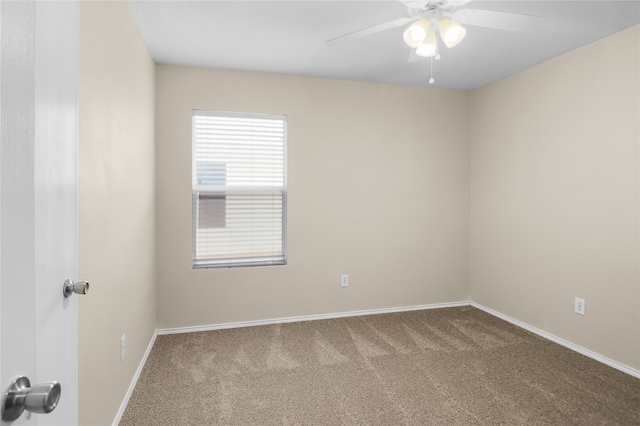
432	80
437	56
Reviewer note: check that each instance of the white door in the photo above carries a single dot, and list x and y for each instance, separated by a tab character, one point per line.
38	185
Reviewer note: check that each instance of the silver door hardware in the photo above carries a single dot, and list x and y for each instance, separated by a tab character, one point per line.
41	398
70	287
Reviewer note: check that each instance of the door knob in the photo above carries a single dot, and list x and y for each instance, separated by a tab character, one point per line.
41	398
70	287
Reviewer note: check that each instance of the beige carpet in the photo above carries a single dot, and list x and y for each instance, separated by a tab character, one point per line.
445	366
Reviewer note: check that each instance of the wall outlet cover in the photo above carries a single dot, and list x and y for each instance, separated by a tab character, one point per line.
344	280
579	307
123	346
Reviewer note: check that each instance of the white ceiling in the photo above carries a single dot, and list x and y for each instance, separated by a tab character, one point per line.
289	37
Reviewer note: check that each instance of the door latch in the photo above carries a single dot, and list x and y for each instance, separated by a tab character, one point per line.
70	287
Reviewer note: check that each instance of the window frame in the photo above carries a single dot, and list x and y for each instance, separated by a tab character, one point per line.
238	261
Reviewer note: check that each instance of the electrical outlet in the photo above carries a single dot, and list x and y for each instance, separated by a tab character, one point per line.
344	280
123	346
579	307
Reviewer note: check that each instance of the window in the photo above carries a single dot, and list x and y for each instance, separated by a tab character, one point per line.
239	189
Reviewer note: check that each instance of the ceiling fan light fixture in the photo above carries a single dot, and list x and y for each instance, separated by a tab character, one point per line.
451	32
429	47
416	32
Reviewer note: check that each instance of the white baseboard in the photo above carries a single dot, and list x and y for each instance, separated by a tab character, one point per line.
134	381
611	363
222	326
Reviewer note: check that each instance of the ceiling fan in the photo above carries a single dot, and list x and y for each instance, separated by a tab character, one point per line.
430	18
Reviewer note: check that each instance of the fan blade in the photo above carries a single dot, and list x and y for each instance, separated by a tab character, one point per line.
414	4
457	3
371	30
445	5
498	20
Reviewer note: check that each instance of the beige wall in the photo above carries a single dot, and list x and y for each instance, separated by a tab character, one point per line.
554	196
378	189
115	206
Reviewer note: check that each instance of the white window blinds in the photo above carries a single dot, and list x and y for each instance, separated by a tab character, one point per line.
239	189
